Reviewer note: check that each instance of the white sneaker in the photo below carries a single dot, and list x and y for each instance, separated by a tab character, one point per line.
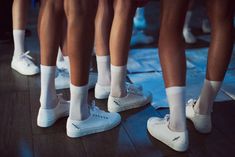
24	65
62	80
47	117
158	128
202	123
102	92
61	64
98	121
188	36
206	26
135	98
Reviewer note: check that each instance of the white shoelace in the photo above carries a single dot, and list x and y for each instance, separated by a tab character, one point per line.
98	112
25	58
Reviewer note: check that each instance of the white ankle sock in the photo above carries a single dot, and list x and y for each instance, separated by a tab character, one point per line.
48	98
187	19
176	100
78	105
19	38
103	67
208	94
118	81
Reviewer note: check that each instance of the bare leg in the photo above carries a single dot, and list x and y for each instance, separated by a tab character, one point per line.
81	20
172	131
19	14
80	16
171	43
103	25
52	107
172	58
121	32
119	44
49	28
221	18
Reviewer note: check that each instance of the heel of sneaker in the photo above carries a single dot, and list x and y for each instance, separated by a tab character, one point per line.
45	119
45	124
71	131
203	124
182	146
101	92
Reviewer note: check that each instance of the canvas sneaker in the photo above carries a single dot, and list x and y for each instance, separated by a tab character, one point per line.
135	98
158	128
47	117
24	65
102	92
98	121
202	123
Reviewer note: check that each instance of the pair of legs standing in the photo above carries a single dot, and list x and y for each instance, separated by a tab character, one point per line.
114	22
80	16
173	131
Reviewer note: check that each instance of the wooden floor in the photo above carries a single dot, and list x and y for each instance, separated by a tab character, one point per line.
20	136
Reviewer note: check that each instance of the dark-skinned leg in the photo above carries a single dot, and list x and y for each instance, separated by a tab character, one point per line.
52	106
122	96
81	25
80	16
103	24
119	44
221	18
174	68
173	131
50	13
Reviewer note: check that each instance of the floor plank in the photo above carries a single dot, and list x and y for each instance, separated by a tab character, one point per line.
57	145
15	126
